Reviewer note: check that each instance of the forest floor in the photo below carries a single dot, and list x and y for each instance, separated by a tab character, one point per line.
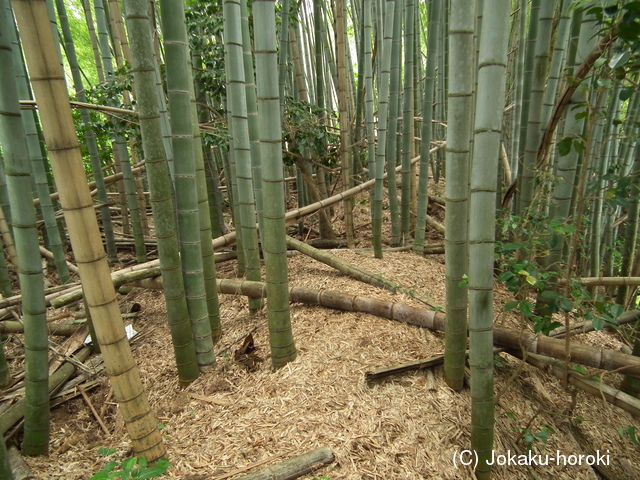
406	426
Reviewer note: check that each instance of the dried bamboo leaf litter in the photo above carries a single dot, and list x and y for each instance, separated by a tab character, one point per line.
398	428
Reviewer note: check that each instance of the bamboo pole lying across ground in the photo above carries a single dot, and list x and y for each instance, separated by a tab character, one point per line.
606	281
351	270
294	467
15	412
612	395
587	355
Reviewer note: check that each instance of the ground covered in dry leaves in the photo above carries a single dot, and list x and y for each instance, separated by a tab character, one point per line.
404	427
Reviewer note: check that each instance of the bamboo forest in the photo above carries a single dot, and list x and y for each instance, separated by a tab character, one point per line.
319	239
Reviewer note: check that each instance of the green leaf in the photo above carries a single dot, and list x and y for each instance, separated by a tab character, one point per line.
598	323
511	305
526	308
510	247
550	294
625	93
566	305
129	463
100	476
564	146
152	472
616	310
581	370
530	280
106	451
619	59
504	276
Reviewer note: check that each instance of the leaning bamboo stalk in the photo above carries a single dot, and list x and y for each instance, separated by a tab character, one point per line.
59	131
107	181
291	218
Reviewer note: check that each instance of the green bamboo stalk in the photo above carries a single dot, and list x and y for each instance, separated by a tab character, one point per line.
520	52
283	51
529	58
160	189
383	133
536	93
435	13
557	60
345	134
252	113
120	144
18	171
29	121
237	102
492	62
368	91
458	158
392	134
179	86
407	122
564	192
93	38
283	349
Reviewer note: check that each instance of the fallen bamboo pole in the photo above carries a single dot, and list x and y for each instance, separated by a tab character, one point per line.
612	395
351	269
294	467
587	355
15	412
606	281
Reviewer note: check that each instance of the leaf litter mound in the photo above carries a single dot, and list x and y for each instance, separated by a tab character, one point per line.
409	426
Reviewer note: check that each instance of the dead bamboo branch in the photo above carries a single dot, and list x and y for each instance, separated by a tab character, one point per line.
93	410
571	87
47	254
13	326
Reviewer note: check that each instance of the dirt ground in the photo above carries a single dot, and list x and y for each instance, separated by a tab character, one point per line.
407	426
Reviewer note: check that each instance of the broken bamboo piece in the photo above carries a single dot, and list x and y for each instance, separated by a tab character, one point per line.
404	367
294	467
15	412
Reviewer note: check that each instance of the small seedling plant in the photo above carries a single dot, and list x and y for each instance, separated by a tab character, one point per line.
133	468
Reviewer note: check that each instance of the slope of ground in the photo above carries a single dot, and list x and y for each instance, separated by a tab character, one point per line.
405	427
